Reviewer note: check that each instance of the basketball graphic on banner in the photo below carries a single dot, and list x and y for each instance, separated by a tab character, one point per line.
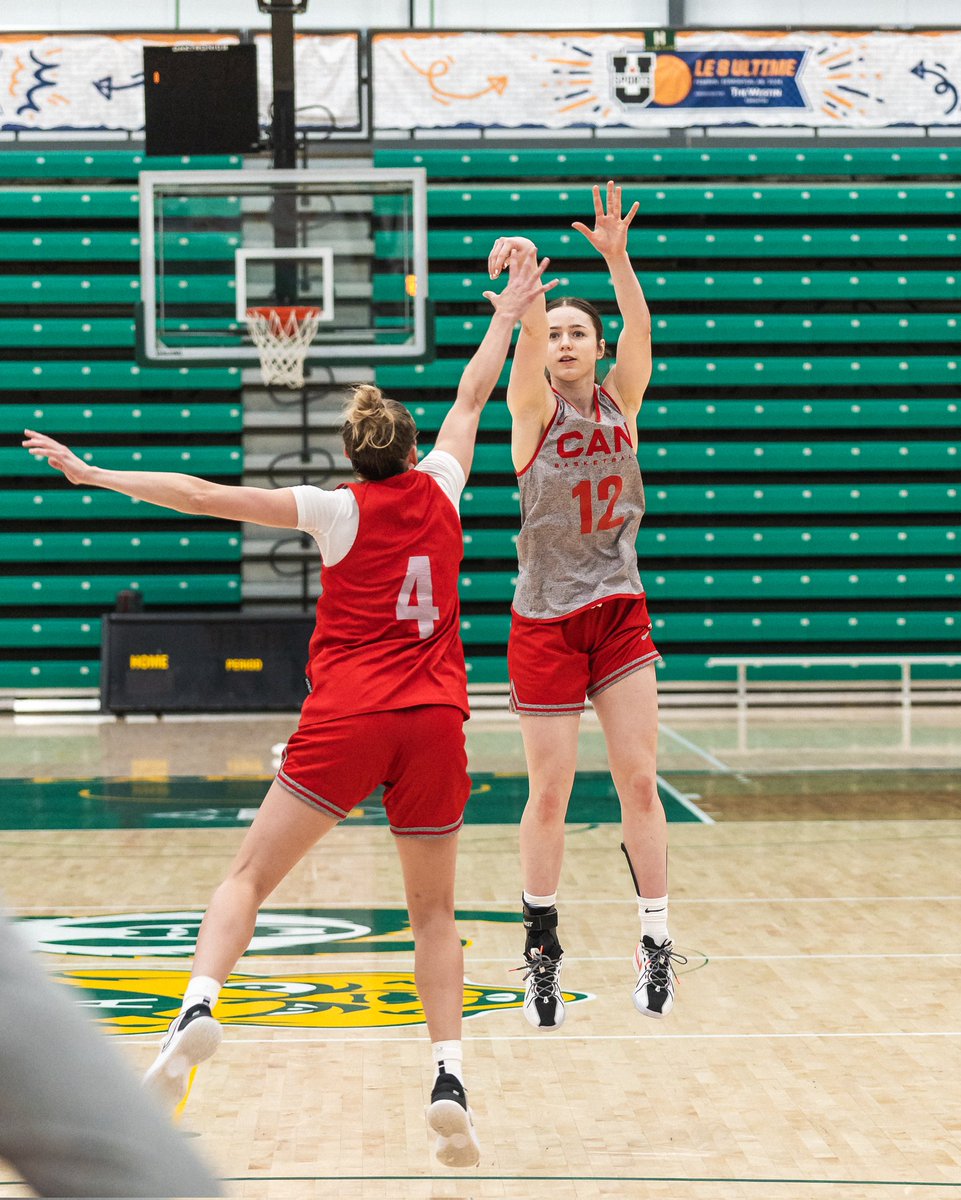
672	79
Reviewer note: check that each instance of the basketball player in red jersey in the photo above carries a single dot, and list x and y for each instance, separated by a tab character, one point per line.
387	699
580	625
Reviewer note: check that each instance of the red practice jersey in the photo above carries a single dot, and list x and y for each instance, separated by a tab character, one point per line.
388	622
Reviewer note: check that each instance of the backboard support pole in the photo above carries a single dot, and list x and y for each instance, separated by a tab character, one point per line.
284	138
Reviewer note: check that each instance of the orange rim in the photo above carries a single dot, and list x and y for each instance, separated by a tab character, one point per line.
282	314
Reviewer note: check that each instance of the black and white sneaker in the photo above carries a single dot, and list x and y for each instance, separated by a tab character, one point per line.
543	1001
654	990
450	1118
191	1039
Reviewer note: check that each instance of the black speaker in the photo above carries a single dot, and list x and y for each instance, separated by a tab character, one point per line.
200	100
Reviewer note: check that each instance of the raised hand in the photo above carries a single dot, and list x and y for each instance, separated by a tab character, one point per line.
524	284
57	455
609	235
506	251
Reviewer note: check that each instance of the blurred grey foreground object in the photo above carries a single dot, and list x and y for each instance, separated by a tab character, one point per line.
73	1119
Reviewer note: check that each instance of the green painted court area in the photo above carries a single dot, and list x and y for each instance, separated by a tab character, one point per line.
194	801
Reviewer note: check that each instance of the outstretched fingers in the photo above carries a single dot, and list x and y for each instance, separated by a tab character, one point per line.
598	203
40	445
500	252
613	200
541	268
525	285
506	251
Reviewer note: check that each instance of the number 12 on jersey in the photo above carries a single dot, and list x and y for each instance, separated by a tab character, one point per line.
416	599
608	490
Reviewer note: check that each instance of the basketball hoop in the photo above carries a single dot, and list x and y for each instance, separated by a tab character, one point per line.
283	336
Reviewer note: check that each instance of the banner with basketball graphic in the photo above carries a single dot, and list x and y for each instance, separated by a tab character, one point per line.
635	80
80	82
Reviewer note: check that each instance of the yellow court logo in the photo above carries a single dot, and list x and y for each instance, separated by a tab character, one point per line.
134	1002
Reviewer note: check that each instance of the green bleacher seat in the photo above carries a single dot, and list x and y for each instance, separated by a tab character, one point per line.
481	670
762	285
720	243
805	416
96	588
800	499
716	627
475	586
50	164
816	583
813	626
107	375
490	543
747	500
684	668
625	162
194	460
108	246
49	631
63	419
48	202
92	332
817	370
92	288
726	456
746	327
514	206
72	504
49	673
760	585
656	542
87	332
114	546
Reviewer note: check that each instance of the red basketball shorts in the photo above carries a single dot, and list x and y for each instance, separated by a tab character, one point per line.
418	754
554	664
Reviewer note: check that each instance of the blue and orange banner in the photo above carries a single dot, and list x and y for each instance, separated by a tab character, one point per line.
625	79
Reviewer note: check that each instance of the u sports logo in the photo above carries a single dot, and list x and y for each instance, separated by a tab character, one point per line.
141	1000
632	78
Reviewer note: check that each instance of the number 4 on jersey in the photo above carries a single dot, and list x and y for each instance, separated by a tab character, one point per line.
416	599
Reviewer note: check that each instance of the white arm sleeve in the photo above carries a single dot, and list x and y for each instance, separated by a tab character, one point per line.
330	517
447	471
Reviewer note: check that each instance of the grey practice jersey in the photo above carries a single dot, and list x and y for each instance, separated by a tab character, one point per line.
582	500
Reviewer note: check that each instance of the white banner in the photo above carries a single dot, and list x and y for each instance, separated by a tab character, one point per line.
94	82
561	80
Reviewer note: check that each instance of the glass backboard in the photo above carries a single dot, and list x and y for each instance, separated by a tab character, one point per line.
352	243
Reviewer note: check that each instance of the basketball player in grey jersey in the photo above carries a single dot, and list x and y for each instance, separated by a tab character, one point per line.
579	622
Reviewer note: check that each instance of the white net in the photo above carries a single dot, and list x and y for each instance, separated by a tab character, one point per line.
283	335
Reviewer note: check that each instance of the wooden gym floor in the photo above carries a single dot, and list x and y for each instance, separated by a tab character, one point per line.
816	891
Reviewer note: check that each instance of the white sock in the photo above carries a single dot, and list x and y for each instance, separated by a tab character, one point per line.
449	1057
653	912
540	901
200	990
